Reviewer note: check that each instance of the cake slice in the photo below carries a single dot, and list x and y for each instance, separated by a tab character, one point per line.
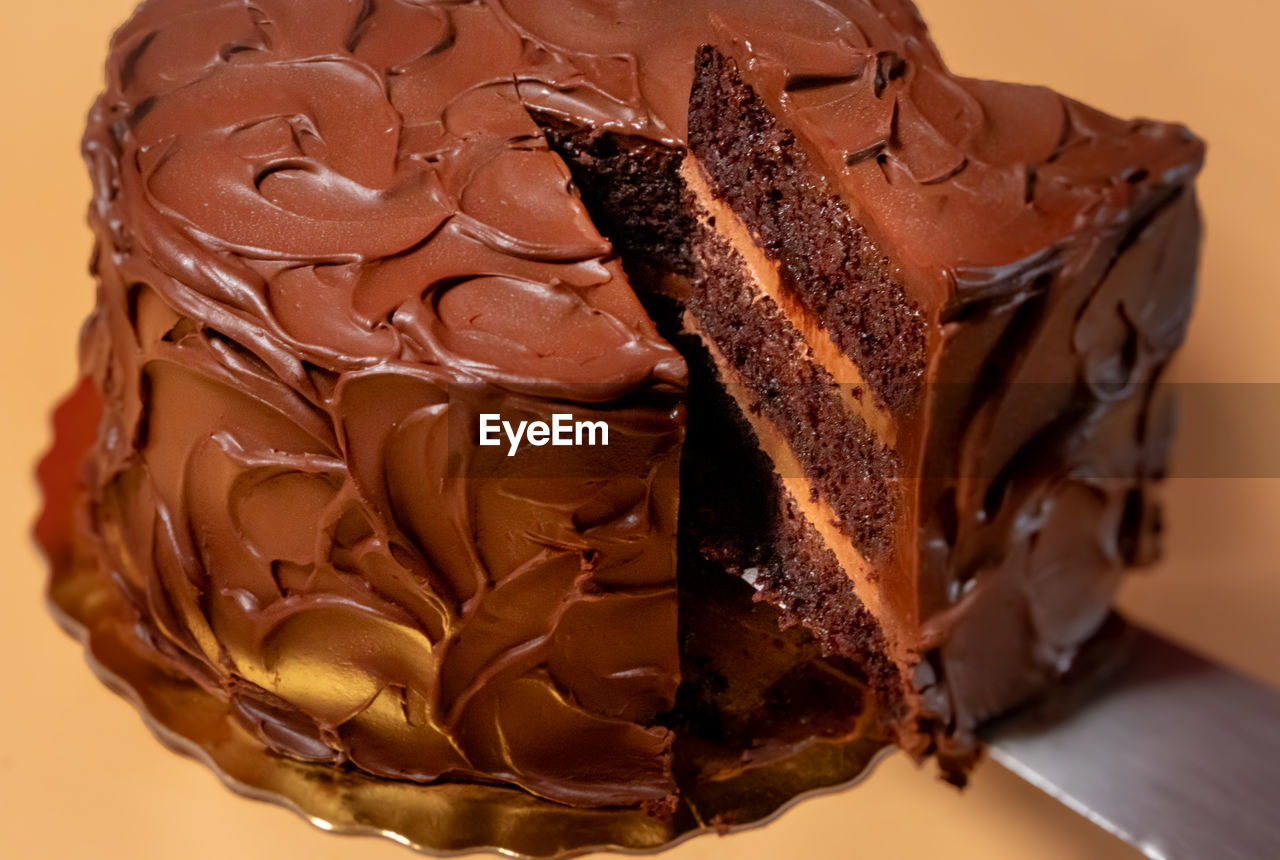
939	306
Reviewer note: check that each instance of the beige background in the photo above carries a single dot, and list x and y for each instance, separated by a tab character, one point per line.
80	776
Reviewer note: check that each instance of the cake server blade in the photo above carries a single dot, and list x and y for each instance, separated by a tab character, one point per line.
1176	755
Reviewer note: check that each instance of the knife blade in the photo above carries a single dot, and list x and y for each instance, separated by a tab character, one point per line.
1174	754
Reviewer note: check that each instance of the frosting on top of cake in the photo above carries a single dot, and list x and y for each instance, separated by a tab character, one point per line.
288	161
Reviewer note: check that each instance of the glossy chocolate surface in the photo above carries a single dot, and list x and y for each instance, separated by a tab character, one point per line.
329	232
327	242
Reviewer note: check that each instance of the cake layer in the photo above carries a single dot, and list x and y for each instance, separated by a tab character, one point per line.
742	517
789	471
635	191
839	458
766	278
825	258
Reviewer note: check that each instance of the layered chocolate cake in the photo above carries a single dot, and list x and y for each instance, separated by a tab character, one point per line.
823	322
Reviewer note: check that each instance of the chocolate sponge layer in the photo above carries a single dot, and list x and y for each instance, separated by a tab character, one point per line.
826	258
737	515
634	192
845	464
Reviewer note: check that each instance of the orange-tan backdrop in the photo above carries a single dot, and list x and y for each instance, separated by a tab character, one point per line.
81	778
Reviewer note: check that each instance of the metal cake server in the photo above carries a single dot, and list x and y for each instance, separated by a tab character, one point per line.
1176	755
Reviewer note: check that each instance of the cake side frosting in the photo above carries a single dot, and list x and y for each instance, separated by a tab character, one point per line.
327	242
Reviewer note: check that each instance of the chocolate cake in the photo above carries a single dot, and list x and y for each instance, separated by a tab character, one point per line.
871	341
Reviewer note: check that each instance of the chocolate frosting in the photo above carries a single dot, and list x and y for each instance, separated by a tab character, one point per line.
331	233
329	237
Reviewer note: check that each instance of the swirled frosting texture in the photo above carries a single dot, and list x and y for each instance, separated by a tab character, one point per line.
329	237
331	233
